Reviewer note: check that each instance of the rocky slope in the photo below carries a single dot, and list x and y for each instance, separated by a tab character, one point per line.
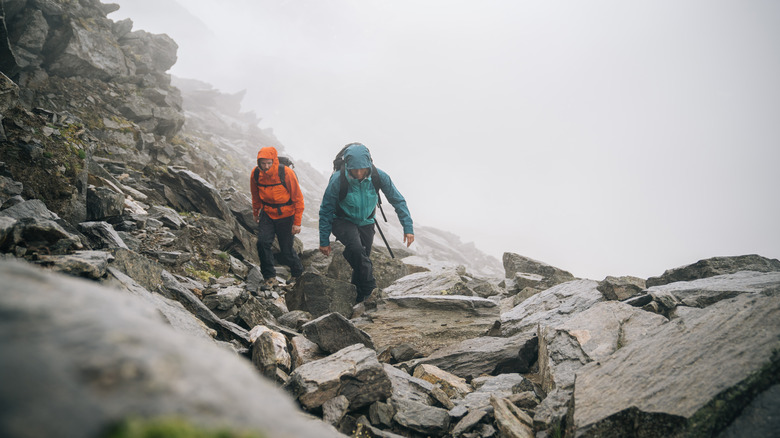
133	301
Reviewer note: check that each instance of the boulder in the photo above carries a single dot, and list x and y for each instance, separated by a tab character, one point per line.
452	385
107	356
621	288
269	351
710	290
353	372
553	305
321	295
591	335
716	266
333	332
428	323
551	276
89	264
103	203
706	366
90	52
445	282
102	235
485	355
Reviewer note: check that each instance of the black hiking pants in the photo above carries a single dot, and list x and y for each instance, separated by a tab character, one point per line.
357	250
267	228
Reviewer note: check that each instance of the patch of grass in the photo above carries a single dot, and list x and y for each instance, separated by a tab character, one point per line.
173	428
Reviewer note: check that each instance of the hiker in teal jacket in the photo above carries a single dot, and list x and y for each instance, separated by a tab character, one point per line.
349	214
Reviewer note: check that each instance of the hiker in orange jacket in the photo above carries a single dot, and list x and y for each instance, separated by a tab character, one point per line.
277	207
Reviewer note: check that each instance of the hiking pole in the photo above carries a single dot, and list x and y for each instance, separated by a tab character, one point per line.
383	238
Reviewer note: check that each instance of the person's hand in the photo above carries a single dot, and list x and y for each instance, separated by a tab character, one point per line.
408	239
325	250
296	229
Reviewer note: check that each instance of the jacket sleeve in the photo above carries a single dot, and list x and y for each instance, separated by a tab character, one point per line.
397	200
256	203
328	208
295	194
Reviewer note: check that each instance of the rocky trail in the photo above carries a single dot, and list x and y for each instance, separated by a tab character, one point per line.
132	302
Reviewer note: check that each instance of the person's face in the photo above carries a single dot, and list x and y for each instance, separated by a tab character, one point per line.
265	164
359	174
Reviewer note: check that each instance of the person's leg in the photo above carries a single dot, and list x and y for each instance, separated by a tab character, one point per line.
265	238
287	255
355	253
367	282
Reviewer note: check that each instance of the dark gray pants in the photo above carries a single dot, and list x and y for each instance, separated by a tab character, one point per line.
267	228
357	250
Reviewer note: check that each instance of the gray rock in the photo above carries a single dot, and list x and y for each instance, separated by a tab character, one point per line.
334	409
168	216
353	372
88	52
759	418
188	191
503	385
333	332
43	235
428	323
102	235
485	355
716	266
551	276
9	94
321	295
303	351
227	331
420	417
710	290
510	420
551	306
33	208
84	356
591	335
446	282
706	366
621	288
89	264
295	319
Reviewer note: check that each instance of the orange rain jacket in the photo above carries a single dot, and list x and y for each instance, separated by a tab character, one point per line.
268	189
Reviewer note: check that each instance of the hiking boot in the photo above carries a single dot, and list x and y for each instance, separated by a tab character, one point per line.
269	283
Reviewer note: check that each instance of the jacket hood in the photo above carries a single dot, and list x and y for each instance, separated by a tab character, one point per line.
357	156
268	153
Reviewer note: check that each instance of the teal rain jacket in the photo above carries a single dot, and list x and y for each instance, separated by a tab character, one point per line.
359	206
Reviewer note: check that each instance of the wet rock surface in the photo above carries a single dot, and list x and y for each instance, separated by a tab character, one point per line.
131	286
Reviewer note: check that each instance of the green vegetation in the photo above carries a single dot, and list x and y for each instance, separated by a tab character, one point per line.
173	428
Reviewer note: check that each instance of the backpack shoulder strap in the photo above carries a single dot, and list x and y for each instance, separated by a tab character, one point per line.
344	184
281	177
256	175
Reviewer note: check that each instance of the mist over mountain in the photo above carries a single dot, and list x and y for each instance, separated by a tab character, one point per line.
132	302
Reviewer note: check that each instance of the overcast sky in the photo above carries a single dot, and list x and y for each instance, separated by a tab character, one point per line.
601	137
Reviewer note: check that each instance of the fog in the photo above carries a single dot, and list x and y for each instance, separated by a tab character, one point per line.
602	137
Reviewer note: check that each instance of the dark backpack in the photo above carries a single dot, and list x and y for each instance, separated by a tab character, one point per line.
284	162
339	165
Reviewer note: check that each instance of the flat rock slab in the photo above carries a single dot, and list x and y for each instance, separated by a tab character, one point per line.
552	306
689	377
428	323
706	291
